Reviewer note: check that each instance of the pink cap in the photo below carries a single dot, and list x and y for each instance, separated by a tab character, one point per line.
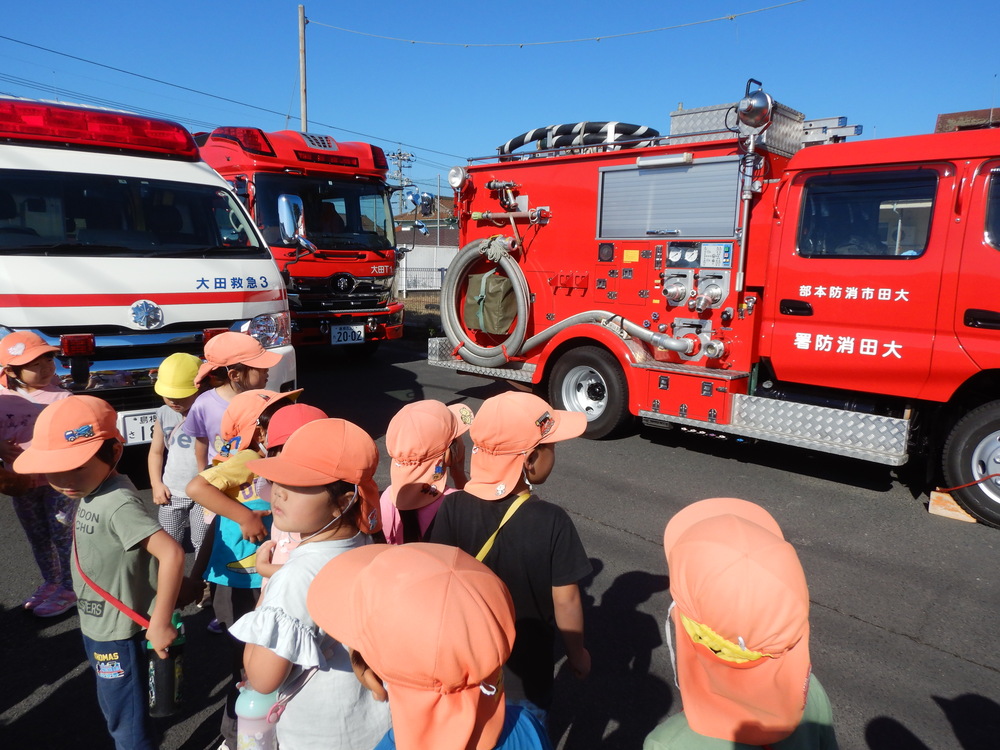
288	419
68	433
22	347
506	429
742	620
323	452
416	440
239	421
234	348
435	624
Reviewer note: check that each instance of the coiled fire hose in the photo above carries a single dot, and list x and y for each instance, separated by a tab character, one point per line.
498	249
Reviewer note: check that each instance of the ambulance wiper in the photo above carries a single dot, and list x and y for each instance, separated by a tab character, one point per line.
78	248
203	251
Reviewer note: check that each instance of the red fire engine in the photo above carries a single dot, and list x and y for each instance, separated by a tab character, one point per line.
839	297
340	266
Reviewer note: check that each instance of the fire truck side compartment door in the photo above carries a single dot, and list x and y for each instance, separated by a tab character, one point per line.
977	308
684	200
858	279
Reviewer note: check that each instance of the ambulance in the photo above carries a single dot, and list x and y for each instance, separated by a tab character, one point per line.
120	246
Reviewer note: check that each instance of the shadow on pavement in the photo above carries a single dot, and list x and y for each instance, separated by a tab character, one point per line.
621	694
975	720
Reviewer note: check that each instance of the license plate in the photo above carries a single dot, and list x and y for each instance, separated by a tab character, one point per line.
347	335
137	426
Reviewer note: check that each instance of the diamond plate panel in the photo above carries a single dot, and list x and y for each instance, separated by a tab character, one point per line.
439	355
834	427
712	123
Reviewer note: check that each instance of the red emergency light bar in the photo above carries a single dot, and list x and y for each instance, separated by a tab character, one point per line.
378	156
251	140
333	159
31	121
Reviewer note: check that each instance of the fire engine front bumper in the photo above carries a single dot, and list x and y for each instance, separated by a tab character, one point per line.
347	327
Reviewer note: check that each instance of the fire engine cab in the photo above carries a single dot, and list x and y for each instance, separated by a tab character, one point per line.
120	246
724	278
340	264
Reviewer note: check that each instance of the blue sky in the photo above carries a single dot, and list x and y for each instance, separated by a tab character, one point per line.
888	66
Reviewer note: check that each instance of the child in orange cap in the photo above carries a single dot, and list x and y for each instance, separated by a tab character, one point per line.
531	544
171	461
229	489
322	489
234	362
274	552
121	557
436	625
741	615
424	441
28	385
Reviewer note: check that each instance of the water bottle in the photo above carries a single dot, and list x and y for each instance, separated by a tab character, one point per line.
253	730
165	675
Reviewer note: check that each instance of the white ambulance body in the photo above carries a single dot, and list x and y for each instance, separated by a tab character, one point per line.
120	246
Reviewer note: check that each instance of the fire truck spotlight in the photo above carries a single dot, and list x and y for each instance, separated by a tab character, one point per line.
755	108
458	178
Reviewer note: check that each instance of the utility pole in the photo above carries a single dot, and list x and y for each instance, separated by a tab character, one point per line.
402	160
304	124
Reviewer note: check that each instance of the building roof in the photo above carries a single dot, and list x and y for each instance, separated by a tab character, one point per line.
973	119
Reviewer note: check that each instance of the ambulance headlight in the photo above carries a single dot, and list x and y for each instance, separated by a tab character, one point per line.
271	329
458	177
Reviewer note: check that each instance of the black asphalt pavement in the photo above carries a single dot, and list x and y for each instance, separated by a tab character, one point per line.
903	604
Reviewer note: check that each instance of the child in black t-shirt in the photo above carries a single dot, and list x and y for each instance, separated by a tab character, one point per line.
530	544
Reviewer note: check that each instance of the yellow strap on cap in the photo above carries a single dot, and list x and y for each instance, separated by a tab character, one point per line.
724	649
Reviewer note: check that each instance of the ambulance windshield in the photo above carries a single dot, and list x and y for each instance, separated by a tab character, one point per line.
339	214
59	213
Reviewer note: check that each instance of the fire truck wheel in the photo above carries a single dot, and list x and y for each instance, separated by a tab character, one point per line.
972	452
590	380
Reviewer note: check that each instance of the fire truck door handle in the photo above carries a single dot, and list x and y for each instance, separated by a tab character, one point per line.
982	319
795	307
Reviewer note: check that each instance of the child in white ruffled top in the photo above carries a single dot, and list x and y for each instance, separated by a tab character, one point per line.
324	490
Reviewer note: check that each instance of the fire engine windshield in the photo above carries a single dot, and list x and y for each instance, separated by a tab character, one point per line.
339	215
51	213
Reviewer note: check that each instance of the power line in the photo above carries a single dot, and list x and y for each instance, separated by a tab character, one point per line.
367	136
80	97
561	41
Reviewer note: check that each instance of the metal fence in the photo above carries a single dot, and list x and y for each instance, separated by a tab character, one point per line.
420	279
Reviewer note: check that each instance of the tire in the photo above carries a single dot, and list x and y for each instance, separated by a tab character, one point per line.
971	452
590	380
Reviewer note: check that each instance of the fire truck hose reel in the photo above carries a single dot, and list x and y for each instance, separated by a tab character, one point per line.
496	249
499	247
